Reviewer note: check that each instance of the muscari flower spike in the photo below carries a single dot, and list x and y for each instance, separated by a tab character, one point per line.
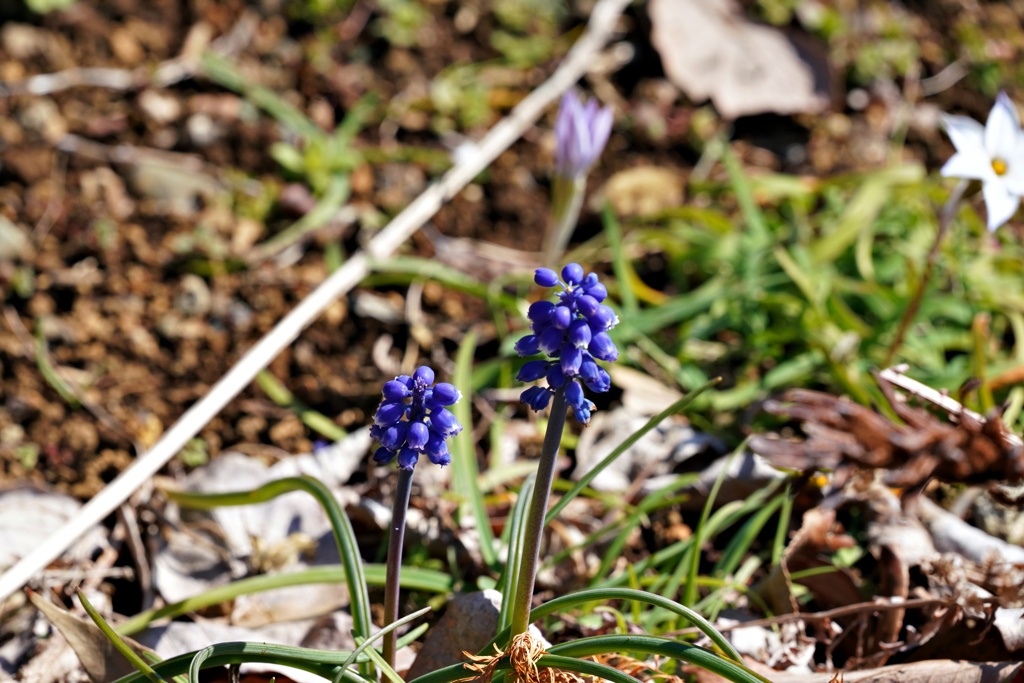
413	419
993	154
581	132
573	333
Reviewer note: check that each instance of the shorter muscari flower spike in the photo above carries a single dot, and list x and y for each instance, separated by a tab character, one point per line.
993	154
581	132
573	333
413	419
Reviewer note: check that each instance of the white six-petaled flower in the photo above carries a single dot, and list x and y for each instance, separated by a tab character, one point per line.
993	154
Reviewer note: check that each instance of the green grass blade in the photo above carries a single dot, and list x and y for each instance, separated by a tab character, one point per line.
585	480
509	578
623	272
739	544
414	578
118	642
465	474
344	536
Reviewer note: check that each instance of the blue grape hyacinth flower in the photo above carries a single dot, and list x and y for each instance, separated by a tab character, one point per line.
413	419
573	333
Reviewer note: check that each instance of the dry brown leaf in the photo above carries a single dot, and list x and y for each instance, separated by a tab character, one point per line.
711	51
98	656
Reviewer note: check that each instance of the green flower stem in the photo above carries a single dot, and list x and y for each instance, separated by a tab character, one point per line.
534	529
945	219
567	199
394	561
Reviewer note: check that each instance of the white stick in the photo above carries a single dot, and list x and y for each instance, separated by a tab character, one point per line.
579	59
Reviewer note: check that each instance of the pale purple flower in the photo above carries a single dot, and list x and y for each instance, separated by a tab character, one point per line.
581	132
993	154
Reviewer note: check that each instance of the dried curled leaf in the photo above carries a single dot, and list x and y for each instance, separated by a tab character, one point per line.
840	433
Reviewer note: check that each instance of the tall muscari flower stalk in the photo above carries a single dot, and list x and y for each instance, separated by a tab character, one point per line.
581	133
572	332
412	420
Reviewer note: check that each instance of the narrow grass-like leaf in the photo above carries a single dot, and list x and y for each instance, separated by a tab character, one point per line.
624	274
118	642
414	578
315	420
380	634
464	468
509	578
701	533
319	662
344	536
741	541
585	480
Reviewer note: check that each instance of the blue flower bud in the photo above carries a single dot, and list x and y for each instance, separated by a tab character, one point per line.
572	273
572	358
603	319
602	347
389	412
584	412
540	311
532	370
418	435
561	317
551	341
536	397
545	277
395	390
596	290
424	375
446	394
579	334
587	305
383	455
443	422
574	394
528	345
394	436
407	458
594	376
437	450
555	377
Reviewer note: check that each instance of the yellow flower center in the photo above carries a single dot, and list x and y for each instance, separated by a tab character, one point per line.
999	166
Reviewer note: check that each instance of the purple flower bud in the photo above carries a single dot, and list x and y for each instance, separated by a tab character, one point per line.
533	370
395	390
528	345
561	317
594	376
584	412
555	377
389	412
394	436
574	394
602	347
424	375
550	341
579	334
443	423
603	319
446	394
596	290
545	277
536	397
587	305
437	450
407	458
540	311
572	358
572	273
581	132
418	435
383	455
